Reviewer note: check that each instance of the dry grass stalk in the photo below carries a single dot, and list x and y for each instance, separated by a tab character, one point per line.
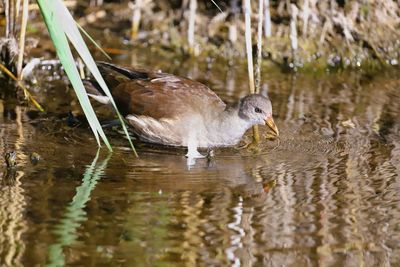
249	51
267	20
233	28
24	21
259	45
136	19
10	17
21	85
17	11
191	27
305	15
293	30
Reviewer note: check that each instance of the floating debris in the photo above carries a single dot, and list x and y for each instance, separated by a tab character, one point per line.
34	158
10	158
348	124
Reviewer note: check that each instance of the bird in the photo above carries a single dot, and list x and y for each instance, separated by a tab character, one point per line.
170	110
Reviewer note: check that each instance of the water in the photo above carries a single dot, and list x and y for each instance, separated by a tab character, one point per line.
327	194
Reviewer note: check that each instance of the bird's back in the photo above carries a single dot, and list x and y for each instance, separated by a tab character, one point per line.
156	94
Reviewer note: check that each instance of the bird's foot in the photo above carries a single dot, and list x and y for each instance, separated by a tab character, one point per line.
210	153
210	158
192	155
195	155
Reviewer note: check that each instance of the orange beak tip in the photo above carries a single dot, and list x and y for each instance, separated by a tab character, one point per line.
271	124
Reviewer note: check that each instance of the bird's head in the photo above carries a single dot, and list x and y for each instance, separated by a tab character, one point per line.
257	109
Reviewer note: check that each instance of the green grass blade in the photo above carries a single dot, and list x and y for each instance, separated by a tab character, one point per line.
72	32
54	24
67	231
61	26
93	41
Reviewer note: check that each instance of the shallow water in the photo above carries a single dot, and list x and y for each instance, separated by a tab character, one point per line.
327	194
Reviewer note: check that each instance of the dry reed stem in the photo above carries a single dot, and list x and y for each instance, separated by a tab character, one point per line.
249	50
247	11
21	85
293	30
136	19
24	22
267	20
305	14
192	20
8	7
259	45
17	6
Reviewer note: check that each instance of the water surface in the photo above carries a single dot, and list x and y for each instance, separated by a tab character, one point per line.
327	194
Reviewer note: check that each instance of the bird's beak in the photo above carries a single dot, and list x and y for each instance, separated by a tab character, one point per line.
271	124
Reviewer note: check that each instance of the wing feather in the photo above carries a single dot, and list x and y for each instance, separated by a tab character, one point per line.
159	95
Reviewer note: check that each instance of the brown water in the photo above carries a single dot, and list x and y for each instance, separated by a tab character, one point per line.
328	194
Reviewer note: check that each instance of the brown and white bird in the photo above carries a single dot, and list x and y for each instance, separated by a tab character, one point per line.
175	111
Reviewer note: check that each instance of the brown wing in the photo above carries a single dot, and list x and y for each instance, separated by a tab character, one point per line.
158	95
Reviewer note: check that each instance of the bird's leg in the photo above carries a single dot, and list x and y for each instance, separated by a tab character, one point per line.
210	157
190	162
210	153
192	153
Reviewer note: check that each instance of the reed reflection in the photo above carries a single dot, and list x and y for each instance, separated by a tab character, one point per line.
12	197
75	215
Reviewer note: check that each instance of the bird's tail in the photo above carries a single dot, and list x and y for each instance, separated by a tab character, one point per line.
113	76
120	72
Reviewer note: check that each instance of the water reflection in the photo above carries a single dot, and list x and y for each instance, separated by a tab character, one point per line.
328	194
13	226
12	198
75	215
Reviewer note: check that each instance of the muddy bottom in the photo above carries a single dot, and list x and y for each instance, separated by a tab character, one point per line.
328	193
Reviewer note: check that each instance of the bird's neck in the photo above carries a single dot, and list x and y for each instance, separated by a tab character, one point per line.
228	128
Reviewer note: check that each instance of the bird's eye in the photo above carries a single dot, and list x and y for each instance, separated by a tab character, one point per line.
258	110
